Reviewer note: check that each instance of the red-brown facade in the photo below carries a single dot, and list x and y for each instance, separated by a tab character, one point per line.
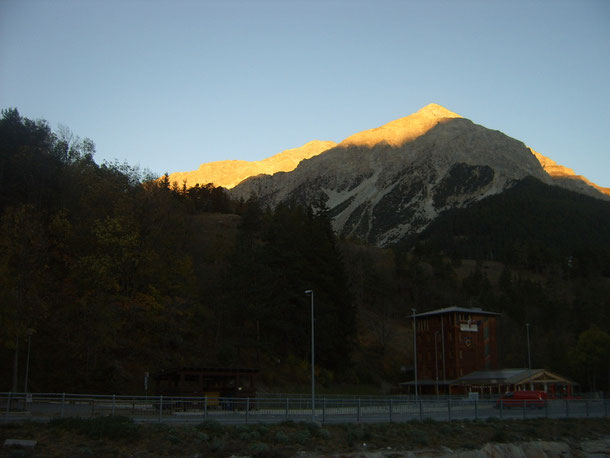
455	341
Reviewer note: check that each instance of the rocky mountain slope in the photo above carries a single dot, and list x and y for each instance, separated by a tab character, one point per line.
566	178
384	184
229	173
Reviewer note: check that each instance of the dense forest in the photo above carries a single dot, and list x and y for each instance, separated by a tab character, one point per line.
109	273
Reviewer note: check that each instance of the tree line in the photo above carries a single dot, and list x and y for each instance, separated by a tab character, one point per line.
112	273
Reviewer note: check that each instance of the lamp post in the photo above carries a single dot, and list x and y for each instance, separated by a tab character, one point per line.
29	333
436	361
313	380
415	352
529	359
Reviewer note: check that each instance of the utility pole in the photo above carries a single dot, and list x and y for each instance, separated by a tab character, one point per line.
313	383
29	333
415	351
529	358
436	361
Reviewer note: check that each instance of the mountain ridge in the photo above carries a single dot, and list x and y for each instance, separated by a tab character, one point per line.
229	173
567	178
385	192
384	184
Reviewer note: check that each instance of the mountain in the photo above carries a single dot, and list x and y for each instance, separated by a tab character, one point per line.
385	184
529	223
566	178
229	173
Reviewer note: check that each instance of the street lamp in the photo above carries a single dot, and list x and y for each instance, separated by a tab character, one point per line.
436	361
313	380
415	352
529	359
29	333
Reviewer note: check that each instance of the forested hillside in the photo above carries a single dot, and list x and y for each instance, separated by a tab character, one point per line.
114	274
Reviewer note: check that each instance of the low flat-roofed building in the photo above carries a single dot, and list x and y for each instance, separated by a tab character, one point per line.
497	382
213	382
503	380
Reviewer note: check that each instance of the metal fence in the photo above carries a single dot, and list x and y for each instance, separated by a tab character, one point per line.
279	408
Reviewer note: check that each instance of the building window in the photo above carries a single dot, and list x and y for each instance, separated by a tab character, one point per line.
422	325
464	317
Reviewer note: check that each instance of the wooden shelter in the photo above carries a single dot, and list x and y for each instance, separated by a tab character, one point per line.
212	382
504	380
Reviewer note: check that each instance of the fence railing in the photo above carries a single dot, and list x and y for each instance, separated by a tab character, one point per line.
275	409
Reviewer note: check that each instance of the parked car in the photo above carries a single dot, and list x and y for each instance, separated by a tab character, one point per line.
522	399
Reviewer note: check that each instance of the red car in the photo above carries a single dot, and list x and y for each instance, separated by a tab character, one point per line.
529	399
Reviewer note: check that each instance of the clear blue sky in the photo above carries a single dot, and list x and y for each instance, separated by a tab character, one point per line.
168	85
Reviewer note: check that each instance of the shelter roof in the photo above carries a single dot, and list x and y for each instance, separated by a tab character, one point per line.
512	376
446	310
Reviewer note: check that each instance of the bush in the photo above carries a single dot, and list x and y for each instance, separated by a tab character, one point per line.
113	428
249	436
301	437
259	448
313	428
324	434
281	437
420	438
499	435
212	427
262	430
217	445
446	429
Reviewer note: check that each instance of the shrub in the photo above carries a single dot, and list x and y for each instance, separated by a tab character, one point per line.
419	437
324	434
212	427
259	448
301	437
445	430
313	427
499	435
249	436
217	445
262	430
281	437
112	428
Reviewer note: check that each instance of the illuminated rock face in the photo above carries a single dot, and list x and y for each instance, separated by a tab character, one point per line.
566	178
230	173
385	184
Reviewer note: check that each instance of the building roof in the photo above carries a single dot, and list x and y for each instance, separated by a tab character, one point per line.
511	377
429	382
477	311
212	371
499	377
